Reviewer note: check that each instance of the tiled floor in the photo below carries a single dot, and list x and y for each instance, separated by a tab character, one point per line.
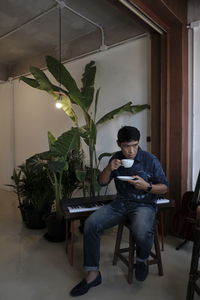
32	268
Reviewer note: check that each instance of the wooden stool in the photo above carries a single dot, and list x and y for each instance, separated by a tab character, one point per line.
129	262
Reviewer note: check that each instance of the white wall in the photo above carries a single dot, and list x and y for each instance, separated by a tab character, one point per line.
6	134
123	75
194	104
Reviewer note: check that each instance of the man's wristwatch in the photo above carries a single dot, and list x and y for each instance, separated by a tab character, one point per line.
149	188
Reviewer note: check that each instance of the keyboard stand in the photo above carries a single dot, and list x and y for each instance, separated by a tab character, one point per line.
69	246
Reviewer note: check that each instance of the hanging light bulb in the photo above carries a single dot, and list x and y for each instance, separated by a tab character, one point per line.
59	102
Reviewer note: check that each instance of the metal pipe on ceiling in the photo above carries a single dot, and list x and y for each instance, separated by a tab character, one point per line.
127	41
63	4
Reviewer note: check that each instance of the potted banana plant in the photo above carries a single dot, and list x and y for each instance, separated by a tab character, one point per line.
86	99
59	163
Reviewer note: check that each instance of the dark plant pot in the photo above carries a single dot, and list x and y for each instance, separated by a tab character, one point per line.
56	229
21	208
34	218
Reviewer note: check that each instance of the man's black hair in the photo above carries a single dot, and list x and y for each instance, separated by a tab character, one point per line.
127	134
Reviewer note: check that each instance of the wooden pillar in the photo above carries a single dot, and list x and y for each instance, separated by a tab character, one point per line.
170	99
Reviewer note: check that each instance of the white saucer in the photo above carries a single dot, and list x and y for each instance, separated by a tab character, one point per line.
125	178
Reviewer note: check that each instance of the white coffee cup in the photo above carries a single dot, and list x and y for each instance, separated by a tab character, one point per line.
127	163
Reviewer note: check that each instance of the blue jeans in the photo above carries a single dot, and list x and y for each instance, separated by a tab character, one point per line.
141	217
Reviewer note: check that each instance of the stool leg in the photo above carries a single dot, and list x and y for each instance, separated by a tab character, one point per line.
67	237
194	266
130	258
157	251
162	229
117	244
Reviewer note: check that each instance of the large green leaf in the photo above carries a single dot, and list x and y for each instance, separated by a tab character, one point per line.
51	139
124	108
35	84
67	142
138	108
67	107
57	166
32	82
62	75
42	79
46	155
88	79
96	103
83	131
38	161
58	89
80	174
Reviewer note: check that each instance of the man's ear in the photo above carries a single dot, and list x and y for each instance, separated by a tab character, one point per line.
118	143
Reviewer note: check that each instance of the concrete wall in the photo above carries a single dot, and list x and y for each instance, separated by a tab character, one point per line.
193	10
123	75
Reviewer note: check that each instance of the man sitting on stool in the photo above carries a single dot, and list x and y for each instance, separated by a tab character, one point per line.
135	201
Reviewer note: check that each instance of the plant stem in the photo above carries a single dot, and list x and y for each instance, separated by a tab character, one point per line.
91	153
57	190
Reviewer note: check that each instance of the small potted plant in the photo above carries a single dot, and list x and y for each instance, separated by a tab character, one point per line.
34	193
37	194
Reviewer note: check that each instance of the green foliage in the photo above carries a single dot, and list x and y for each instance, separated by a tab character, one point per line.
87	89
70	182
16	178
61	74
32	187
51	139
65	143
68	109
83	98
128	107
36	189
59	163
42	79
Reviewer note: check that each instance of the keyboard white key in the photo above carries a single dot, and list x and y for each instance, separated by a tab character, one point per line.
164	200
78	208
82	209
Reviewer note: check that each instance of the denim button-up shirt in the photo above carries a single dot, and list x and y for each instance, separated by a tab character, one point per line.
145	165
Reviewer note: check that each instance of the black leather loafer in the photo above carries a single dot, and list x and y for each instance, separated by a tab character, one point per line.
83	287
141	271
